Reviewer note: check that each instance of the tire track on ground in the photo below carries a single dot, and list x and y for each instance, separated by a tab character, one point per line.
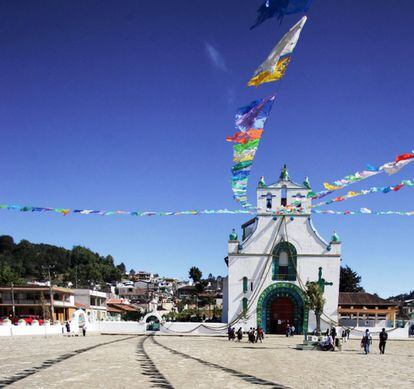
50	362
245	377
149	368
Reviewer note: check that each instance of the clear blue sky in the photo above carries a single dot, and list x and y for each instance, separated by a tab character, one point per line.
126	105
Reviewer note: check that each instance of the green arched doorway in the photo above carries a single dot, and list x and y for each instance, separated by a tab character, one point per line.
280	304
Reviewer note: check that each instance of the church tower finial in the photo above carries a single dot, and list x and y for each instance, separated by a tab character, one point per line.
284	176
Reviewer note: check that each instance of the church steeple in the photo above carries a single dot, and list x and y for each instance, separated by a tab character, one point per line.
284	175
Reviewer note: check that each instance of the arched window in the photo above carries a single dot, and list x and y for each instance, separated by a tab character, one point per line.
244	304
284	262
244	284
283	199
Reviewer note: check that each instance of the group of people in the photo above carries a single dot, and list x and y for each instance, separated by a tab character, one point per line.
254	335
71	331
366	341
290	330
328	344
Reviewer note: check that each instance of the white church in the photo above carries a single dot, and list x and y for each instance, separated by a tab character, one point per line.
280	251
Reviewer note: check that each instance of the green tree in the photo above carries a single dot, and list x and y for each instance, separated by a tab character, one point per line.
6	244
316	301
122	267
8	275
349	280
195	274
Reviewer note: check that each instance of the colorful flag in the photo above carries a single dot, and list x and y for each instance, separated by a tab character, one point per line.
250	121
280	8
274	67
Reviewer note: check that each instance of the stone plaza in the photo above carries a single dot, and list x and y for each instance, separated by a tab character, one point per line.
123	361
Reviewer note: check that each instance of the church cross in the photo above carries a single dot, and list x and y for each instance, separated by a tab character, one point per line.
321	281
268	196
299	195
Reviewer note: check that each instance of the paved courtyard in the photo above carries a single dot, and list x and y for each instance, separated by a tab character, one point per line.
196	362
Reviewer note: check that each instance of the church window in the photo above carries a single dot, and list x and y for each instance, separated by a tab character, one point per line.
284	262
244	284
269	201
283	200
244	304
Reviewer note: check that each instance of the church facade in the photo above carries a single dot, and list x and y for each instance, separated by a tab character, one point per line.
279	252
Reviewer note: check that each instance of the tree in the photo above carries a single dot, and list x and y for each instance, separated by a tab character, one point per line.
8	276
6	243
195	274
132	272
316	302
349	280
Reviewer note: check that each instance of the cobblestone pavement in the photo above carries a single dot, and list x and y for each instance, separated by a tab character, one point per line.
196	362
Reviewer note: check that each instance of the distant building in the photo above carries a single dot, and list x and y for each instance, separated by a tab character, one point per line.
35	300
366	310
94	303
120	307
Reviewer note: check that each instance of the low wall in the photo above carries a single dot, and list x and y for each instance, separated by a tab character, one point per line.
119	327
12	330
184	328
393	333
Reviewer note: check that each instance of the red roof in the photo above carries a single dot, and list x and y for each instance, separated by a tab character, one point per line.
122	307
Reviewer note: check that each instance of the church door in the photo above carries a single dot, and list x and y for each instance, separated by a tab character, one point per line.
281	314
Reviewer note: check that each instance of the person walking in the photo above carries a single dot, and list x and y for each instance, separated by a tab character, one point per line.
383	337
333	334
84	330
287	330
343	336
239	334
366	341
292	330
259	334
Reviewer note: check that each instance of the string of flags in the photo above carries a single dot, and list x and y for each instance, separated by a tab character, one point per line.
249	123
363	211
363	192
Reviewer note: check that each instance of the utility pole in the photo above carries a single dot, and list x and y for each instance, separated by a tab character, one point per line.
12	296
52	308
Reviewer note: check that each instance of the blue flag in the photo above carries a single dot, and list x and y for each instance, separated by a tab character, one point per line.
280	8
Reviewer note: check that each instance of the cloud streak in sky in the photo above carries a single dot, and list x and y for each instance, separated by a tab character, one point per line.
215	57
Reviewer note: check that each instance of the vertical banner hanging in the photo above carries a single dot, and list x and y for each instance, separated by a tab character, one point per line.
250	121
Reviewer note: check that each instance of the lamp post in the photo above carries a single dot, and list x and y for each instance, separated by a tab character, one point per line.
12	296
52	308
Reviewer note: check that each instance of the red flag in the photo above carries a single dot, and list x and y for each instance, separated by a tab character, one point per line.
404	157
398	187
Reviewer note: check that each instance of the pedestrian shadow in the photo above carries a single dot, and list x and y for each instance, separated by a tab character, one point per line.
156	378
50	362
245	377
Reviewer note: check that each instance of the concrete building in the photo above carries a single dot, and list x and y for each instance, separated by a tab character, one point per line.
366	310
36	300
93	302
279	252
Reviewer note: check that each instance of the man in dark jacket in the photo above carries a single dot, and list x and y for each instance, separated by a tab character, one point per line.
383	336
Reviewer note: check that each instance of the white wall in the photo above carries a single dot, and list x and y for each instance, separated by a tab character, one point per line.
250	262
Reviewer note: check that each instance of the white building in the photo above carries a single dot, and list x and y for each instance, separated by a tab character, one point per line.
93	302
279	252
